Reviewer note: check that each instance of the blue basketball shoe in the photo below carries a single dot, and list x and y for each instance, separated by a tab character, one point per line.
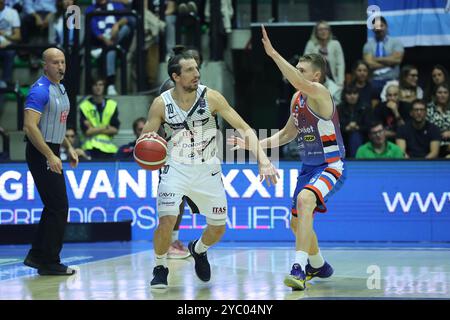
296	279
324	271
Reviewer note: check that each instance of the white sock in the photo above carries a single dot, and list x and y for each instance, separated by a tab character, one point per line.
316	260
200	247
301	257
175	235
161	260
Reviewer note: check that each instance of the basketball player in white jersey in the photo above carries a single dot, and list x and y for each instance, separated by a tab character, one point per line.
314	122
193	168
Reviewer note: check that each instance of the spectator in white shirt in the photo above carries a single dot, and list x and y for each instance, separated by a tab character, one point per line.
9	34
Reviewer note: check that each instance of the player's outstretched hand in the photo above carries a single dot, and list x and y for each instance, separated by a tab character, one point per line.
73	155
237	143
269	172
266	42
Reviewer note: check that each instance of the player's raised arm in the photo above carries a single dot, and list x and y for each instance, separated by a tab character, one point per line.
220	105
293	74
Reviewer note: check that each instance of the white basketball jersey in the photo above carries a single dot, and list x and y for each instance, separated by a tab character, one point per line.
191	136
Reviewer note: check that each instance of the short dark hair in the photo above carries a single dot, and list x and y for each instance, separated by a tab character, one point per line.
174	61
358	63
374	123
418	101
97	79
71	127
318	62
383	19
135	123
442	85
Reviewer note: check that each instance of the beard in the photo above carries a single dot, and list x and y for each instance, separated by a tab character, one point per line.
190	88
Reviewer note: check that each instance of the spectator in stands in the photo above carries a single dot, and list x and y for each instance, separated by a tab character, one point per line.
170	14
390	112
36	20
383	55
378	147
438	113
361	80
126	151
187	8
409	88
9	34
152	28
439	75
4	155
56	30
71	135
350	116
107	32
15	4
322	42
227	11
408	85
99	121
419	138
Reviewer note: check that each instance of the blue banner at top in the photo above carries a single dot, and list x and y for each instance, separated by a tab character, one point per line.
388	5
416	22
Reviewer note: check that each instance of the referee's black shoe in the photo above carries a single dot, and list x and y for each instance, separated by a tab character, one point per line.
55	269
32	262
202	267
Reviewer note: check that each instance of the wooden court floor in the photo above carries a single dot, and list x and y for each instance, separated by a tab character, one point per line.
242	273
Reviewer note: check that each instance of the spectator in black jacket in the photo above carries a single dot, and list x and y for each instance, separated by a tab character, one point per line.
350	116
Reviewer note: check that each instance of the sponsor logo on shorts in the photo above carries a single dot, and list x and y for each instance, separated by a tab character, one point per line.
166	194
163	203
219	210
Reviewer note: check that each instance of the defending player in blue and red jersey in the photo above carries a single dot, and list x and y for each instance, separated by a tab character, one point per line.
314	122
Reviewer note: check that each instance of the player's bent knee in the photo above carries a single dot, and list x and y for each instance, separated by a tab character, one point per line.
306	199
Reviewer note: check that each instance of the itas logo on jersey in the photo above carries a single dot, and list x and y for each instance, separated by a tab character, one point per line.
219	210
63	117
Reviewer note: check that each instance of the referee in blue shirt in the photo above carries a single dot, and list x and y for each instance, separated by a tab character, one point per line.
45	116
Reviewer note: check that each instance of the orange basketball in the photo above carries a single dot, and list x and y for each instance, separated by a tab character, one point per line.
150	153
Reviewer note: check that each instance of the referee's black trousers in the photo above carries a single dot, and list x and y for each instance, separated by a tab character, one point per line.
48	240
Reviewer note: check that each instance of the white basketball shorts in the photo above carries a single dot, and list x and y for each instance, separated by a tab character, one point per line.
202	183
